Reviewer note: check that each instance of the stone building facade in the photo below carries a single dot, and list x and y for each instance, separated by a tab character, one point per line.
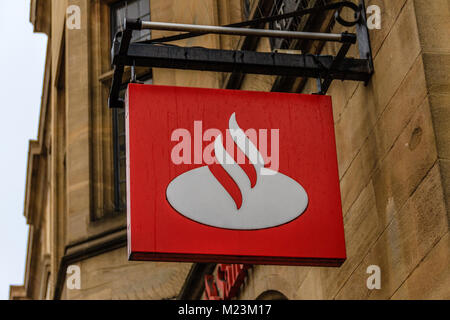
393	146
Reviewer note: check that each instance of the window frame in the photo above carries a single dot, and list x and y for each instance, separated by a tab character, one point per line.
292	24
113	19
246	6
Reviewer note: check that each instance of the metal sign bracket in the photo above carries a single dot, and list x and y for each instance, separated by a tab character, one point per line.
325	68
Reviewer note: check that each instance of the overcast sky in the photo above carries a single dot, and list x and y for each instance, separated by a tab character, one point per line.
22	58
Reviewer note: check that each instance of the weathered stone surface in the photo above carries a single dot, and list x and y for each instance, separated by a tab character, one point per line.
408	162
354	126
390	11
78	128
433	20
445	173
437	68
431	278
311	288
395	58
279	278
413	231
362	228
112	276
440	109
389	125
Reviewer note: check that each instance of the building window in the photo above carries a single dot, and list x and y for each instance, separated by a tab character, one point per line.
292	24
132	9
246	9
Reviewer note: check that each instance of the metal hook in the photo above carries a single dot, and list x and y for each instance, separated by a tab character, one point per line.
357	9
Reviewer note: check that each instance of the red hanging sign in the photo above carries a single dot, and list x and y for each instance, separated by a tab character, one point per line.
232	176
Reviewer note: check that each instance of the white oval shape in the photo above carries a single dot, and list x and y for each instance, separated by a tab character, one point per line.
275	200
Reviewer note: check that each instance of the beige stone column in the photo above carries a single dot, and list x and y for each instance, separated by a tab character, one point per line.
433	20
78	156
431	278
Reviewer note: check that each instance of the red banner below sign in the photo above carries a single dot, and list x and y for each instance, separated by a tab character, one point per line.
232	177
226	283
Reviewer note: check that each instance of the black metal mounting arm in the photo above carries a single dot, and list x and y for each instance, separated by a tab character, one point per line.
155	53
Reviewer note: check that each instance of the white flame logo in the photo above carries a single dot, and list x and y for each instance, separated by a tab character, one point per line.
272	200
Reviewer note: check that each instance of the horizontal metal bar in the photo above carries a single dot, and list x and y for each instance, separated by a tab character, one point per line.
262	20
336	37
194	58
